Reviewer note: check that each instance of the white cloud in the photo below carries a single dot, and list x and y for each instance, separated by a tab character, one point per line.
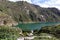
50	3
47	3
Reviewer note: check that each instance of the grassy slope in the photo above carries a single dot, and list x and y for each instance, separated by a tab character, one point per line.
9	33
53	31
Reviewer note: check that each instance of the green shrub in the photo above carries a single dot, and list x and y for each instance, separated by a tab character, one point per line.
9	33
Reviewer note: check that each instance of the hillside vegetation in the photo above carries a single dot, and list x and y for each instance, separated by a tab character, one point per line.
54	30
24	12
9	33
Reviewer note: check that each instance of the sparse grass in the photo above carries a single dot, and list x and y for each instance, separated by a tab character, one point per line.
45	38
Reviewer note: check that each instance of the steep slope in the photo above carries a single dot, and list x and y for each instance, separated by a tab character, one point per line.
24	12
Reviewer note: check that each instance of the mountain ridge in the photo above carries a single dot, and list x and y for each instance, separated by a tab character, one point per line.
23	11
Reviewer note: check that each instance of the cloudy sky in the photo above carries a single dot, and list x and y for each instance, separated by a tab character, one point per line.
44	3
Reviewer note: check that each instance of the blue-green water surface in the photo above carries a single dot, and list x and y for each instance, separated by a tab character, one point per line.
35	26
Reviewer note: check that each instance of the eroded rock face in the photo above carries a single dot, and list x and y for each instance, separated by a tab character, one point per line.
6	20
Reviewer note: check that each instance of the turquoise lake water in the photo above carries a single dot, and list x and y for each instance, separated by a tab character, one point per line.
35	26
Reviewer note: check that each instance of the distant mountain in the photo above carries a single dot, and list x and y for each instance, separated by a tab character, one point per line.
24	12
